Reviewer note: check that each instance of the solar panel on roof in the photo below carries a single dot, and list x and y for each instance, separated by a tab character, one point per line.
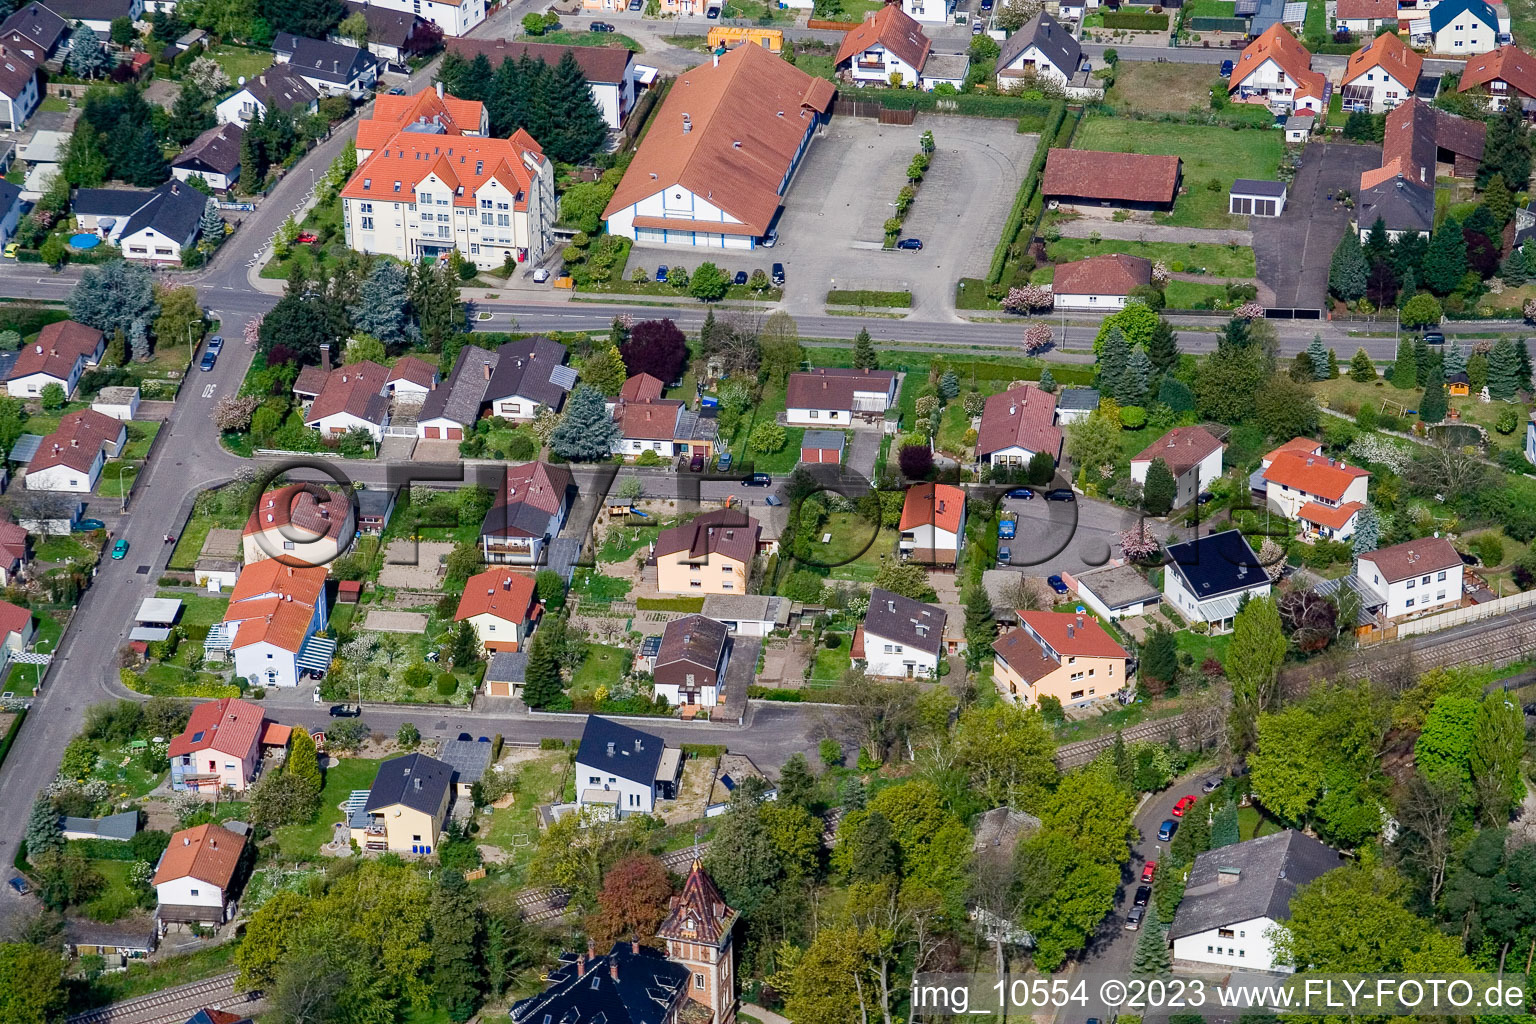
1294	14
1245	8
563	377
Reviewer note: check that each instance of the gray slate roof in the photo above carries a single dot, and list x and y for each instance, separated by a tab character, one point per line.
280	88
1118	586
1045	32
634	755
526	368
508	667
893	617
174	210
1255	187
469	758
1403	206
320	59
1268	873
747	608
217	150
121	827
10	195
91	10
458	398
1077	400
415	780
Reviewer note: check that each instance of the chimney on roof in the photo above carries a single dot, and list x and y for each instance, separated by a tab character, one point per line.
325	356
487	367
637	746
1070	633
417	780
186	840
439	90
1228	876
213	844
634	947
610	749
613	968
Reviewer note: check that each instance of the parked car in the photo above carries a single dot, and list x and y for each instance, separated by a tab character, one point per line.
713	12
661	272
1005	555
977	28
216	344
1226	69
696	464
778	273
20	885
602	26
1165	830
1057	584
1148	871
1434	338
725	461
1006	528
120	549
1020	493
757	480
1060	494
1184	804
307	238
1133	919
540	276
636	5
11	249
1211	784
352	711
914	244
1204	498
986	5
772	499
771	239
209	358
1143	894
740	278
87	525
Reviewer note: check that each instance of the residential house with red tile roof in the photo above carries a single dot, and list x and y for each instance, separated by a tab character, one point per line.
1316	490
1506	75
60	354
528	513
430	112
298	524
1093	179
16	628
1381	75
1414	577
220	748
1017	424
274	612
932	524
500	605
887	48
195	878
1422	143
1191	454
15	552
1057	654
709	554
720	153
829	397
421	194
411	379
71	458
1276	70
1099	282
665	427
1364	17
352	398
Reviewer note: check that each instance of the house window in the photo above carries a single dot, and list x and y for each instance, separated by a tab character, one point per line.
1439	578
1440	596
503	220
1411	584
695	583
485	218
814	414
698	980
415	839
1077	695
485	204
193	891
1425	581
1225	933
1410	602
367	223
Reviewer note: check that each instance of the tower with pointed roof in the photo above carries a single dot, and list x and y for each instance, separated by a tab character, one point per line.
697	932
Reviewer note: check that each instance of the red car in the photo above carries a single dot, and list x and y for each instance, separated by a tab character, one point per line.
308	238
1184	804
1148	871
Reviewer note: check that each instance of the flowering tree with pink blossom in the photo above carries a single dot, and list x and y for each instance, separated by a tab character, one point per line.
1028	298
1248	311
1138	543
253	330
1529	309
1037	338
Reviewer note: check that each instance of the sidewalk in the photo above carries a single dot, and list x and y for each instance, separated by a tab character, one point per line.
763	1014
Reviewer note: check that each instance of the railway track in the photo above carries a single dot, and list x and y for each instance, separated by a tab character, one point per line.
174	1005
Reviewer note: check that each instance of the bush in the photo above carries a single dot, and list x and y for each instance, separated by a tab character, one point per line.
447	684
1133	417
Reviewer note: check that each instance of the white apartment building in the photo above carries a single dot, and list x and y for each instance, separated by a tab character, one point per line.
1414	577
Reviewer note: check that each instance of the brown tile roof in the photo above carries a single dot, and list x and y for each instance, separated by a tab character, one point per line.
726	532
1413	558
747	116
1508	64
537	484
310	380
1067	634
55	350
208	853
1415	133
1296	444
1334	517
462	163
500	592
655	420
1024	417
1361	10
13	619
893	29
307	507
834	388
76	442
694	639
1123	177
642	387
16	70
1277	44
274	602
409	368
940	505
605	64
893	617
356	388
1112	274
699	913
228	725
218	148
1182	448
393	113
1313	474
13	543
1389	53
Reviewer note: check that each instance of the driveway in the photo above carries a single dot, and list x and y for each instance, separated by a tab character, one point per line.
1293	251
864	452
1065	536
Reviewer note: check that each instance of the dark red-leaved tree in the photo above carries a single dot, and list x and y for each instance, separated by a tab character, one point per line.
916	461
632	903
1381	287
655	347
1482	254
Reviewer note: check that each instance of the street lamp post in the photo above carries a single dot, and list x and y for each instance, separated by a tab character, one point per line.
37	670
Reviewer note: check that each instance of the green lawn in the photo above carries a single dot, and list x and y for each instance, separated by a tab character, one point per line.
603	666
174	681
832	665
1185	294
303	842
63	549
594	586
197	610
238	61
515	829
117	479
1209	153
782	461
1201	646
691	605
1218	260
842	538
1252	824
140	437
564	38
54	104
116	899
818	65
864	568
621	543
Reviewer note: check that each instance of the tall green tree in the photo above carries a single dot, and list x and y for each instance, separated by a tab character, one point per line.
1136	378
586	431
1498	744
1404	369
1367	531
1317	352
1112	363
456	939
35	991
864	355
1361	369
1163	347
1432	407
1160	656
1507	151
1160	490
1151	958
303	759
1348	271
1225	830
542	685
1503	370
1253	665
980	629
1446	260
43	835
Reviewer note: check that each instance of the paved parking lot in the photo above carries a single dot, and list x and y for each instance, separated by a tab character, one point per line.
1292	252
1059	536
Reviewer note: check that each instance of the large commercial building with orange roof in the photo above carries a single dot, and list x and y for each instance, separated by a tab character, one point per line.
274	612
432	182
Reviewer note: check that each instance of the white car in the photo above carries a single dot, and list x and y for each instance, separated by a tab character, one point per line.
541	275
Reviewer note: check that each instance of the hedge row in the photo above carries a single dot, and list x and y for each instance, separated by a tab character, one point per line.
1027	189
968	104
865	297
1136	21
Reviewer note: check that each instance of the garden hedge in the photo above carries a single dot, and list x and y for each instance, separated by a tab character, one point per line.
1136	21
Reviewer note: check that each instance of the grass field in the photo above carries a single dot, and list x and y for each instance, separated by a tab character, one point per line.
303	842
603	666
1218	260
831	665
563	38
63	549
595	586
781	461
847	534
1185	294
516	828
1209	154
238	61
1172	88
621	543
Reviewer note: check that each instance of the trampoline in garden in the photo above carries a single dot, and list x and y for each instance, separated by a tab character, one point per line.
83	241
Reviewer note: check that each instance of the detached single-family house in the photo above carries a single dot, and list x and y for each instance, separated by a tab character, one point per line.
1380	75
748	614
834	397
1414	577
709	554
195	879
1506	75
150	227
35	32
690	666
1255	198
351	398
501	606
1421	143
609	70
19	95
1042	50
213	156
1057	654
15	552
1099	282
60	354
454	405
664	426
97	15
1463	27
900	638
393	35
619	770
1116	591
928	11
513	382
277	88
535	498
1404	207
1206	579
331	69
1364	17
1310	487
1191	454
1237	897
886	48
71	458
1276	70
1016	425
932	523
406	808
1092	179
410	379
16	629
274	612
219	749
298	524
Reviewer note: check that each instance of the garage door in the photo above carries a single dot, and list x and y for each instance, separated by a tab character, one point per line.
430	433
455	433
